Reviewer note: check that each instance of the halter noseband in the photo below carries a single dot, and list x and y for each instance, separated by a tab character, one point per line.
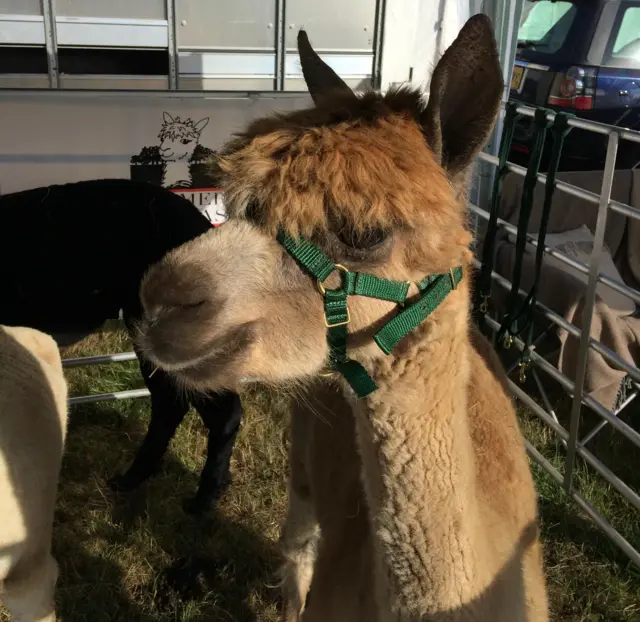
433	290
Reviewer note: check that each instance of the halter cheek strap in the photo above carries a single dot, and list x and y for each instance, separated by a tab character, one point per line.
433	290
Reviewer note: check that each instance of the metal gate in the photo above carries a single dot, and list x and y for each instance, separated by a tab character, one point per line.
576	388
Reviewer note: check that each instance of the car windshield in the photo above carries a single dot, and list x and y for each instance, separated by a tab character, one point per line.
545	24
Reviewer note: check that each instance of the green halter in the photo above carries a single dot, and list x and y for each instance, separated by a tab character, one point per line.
433	290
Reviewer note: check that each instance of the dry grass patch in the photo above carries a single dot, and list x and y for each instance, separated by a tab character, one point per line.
113	551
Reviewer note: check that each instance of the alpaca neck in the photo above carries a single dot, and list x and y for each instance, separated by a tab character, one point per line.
418	470
176	173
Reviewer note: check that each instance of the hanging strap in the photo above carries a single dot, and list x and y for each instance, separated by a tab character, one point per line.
526	207
524	316
484	279
559	131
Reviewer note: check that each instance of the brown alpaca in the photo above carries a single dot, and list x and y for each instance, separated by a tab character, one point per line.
414	502
33	423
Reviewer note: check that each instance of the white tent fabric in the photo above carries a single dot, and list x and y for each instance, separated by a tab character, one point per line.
438	24
417	32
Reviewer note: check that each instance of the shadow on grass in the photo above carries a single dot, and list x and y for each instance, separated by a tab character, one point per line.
139	556
589	579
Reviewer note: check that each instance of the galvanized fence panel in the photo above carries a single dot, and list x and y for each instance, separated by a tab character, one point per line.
575	388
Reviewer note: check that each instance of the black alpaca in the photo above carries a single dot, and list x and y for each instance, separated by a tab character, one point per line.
71	257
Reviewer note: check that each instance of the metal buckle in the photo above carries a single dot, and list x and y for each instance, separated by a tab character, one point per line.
321	288
337	323
327	374
454	285
484	307
523	365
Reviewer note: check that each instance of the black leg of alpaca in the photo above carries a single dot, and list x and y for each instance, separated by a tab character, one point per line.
221	414
168	409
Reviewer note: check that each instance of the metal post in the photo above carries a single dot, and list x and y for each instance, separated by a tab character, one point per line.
589	302
378	41
506	19
281	45
172	45
51	41
107	397
99	359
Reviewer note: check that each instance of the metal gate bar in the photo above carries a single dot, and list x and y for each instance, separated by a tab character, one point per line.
103	359
576	191
564	435
589	401
100	359
581	267
106	397
559	321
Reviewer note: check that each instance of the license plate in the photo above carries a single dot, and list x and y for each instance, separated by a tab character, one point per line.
516	77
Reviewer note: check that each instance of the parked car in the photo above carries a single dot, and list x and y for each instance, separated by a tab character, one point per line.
583	57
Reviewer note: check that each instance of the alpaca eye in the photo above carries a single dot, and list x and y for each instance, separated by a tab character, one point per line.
185	141
362	240
193	305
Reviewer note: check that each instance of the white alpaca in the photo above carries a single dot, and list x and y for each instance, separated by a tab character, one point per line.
178	140
33	421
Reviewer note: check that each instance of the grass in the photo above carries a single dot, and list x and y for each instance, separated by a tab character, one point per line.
589	579
113	552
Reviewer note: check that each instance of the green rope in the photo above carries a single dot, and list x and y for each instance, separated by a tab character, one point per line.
559	131
526	207
484	279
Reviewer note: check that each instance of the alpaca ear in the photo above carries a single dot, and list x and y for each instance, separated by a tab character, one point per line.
464	98
321	80
200	125
167	117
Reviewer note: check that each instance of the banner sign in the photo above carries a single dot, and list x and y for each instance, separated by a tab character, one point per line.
48	138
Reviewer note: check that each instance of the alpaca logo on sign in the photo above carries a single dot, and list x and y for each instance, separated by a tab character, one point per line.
180	163
178	140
